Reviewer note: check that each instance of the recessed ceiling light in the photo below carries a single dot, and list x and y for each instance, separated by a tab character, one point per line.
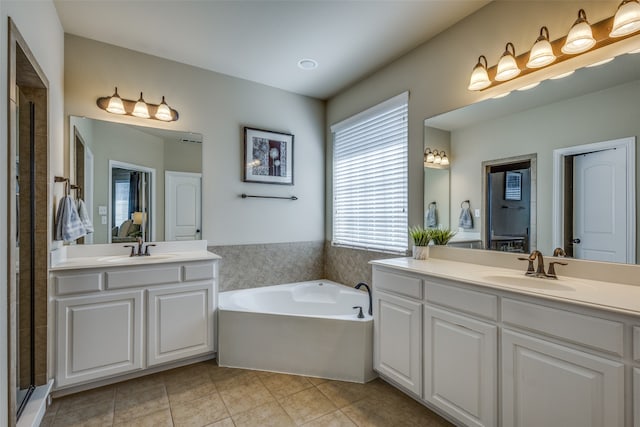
308	64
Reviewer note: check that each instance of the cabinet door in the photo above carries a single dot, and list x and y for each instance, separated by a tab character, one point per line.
546	384
98	336
636	397
460	366
397	340
180	322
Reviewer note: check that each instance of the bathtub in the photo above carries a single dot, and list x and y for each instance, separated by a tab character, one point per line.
306	328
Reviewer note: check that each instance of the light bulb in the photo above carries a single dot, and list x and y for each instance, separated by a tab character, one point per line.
141	110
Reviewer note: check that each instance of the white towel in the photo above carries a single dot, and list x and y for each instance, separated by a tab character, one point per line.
68	224
432	216
84	216
466	220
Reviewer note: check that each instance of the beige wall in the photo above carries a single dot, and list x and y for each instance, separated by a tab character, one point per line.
39	25
436	74
600	116
217	106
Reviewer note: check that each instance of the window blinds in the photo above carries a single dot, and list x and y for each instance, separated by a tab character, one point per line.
370	178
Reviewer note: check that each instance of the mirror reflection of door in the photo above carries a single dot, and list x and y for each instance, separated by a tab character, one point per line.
84	178
182	206
508	206
131	202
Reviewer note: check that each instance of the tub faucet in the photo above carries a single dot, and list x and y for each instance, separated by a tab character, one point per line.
358	286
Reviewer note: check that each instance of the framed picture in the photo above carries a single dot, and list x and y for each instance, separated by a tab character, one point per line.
513	186
268	157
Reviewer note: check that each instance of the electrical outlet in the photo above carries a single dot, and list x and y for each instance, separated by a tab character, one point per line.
477	213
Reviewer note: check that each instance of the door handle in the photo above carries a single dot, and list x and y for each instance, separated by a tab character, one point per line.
198	230
576	241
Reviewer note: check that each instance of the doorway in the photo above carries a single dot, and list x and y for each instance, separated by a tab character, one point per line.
509	197
594	201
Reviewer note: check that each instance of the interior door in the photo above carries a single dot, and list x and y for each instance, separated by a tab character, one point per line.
182	205
600	206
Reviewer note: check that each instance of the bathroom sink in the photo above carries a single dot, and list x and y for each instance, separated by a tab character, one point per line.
125	259
529	282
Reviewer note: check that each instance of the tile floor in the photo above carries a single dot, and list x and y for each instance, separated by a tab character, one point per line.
204	394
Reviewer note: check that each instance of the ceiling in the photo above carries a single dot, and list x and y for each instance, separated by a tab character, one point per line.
263	41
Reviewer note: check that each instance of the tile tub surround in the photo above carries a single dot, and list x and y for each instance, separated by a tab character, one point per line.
350	266
251	266
205	394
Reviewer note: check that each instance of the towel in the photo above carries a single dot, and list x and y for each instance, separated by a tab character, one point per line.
432	216
466	220
84	216
68	224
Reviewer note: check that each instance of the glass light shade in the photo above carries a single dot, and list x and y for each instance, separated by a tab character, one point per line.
627	19
580	37
437	159
115	105
164	112
445	160
507	66
141	110
430	157
541	53
479	77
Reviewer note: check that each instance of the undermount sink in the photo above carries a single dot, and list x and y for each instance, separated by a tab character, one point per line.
528	282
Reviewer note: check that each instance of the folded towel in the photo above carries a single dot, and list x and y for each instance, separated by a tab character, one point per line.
466	220
432	216
68	224
84	216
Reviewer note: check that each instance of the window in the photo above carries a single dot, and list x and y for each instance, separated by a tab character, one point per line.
370	178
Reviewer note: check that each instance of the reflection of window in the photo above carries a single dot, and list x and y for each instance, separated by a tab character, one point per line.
513	186
370	178
121	199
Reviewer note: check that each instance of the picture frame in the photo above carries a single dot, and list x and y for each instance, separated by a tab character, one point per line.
513	186
268	157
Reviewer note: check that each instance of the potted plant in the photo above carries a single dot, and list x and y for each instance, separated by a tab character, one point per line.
421	237
441	236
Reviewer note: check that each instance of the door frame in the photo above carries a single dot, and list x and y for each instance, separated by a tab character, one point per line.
168	176
558	212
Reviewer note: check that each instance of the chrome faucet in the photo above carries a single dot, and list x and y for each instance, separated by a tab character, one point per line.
358	286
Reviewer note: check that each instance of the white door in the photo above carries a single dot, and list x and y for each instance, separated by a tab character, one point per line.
460	369
180	322
546	384
397	340
600	206
182	205
98	336
88	189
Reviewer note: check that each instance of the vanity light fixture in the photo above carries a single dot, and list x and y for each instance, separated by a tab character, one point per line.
507	66
580	38
479	76
116	105
541	53
435	157
627	19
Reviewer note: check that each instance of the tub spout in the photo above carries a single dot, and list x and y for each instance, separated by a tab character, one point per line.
358	286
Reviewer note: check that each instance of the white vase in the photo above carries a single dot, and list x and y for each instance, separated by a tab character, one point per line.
421	252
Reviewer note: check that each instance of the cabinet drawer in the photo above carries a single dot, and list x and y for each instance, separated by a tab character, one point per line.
133	277
77	283
464	300
636	343
397	283
581	329
203	271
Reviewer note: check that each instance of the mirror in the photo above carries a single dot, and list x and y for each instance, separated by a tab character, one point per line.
137	181
591	108
436	181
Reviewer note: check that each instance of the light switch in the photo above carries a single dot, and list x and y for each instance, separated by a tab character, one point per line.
102	210
477	213
103	219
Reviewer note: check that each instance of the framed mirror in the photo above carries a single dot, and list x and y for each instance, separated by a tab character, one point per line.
137	181
591	108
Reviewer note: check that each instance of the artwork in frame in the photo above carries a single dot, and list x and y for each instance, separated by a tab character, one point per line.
268	157
513	186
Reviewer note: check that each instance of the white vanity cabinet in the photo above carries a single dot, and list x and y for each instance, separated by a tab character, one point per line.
116	320
397	311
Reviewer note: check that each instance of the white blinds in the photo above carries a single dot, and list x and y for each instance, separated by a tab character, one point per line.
370	178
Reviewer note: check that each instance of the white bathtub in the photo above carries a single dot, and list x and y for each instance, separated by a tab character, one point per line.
307	328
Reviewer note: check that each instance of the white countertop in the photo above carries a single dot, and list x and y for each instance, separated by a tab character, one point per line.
114	255
615	297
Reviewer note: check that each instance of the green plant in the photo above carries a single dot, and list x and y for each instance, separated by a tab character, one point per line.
421	236
441	236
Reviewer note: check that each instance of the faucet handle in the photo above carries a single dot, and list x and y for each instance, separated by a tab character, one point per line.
133	249
146	249
552	270
530	269
559	252
360	314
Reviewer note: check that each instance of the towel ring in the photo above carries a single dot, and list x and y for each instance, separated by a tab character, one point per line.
433	203
467	202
